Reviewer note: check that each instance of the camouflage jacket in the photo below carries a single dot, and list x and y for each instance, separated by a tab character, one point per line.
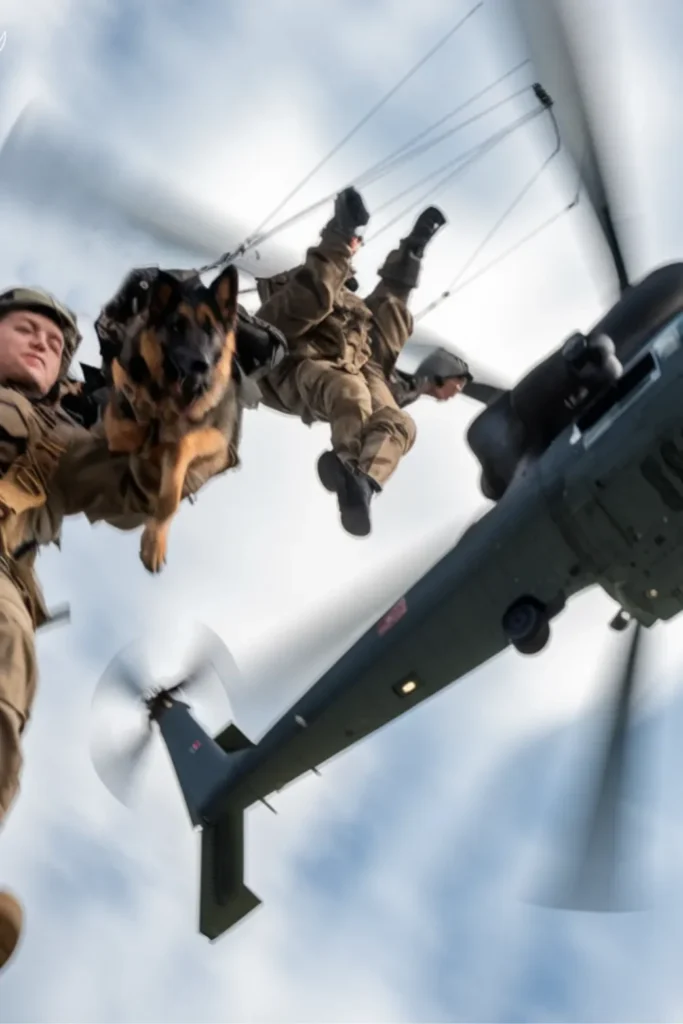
51	467
318	315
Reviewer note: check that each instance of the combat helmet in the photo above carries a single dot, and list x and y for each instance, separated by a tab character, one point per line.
41	301
441	365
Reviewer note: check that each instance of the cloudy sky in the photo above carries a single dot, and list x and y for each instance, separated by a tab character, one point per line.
395	886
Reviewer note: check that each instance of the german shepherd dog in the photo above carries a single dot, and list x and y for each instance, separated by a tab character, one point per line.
167	345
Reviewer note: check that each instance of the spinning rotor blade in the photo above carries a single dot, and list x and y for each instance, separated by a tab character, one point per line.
213	672
120	677
46	162
556	62
118	762
593	878
119	768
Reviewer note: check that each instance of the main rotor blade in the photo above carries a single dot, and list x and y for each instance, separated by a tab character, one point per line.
47	162
593	878
558	67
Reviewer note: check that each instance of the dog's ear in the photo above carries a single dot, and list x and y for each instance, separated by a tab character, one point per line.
225	289
165	294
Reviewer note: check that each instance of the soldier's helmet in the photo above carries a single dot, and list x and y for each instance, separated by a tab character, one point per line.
41	301
441	365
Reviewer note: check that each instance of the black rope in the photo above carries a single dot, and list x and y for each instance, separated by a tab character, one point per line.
516	201
370	177
364	120
463	161
442	120
517	245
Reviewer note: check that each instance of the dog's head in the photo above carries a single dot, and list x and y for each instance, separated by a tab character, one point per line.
166	339
188	341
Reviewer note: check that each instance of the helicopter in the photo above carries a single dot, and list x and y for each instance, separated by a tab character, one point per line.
583	460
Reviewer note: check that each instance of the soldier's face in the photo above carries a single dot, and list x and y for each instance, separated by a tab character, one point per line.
31	348
449	389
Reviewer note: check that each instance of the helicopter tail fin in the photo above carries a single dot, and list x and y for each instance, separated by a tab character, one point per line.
224	898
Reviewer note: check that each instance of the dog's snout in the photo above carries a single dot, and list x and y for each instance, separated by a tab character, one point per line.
200	366
191	363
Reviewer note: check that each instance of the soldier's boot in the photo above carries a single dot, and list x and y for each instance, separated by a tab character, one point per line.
350	213
11	919
354	492
402	266
426	226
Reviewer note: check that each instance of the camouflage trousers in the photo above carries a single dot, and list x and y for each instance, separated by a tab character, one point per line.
18	678
368	429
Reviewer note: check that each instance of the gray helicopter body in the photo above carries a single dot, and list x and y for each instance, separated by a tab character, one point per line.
603	505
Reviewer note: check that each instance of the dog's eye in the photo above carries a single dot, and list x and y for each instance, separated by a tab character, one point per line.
179	325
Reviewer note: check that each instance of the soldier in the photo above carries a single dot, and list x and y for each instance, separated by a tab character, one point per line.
441	375
50	467
342	352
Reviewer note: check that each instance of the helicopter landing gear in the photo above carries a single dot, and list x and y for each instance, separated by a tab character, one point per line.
526	625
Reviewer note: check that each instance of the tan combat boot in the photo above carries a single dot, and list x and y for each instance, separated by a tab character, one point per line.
11	917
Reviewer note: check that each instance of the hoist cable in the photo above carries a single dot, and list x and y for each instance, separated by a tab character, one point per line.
404	157
446	117
514	248
464	161
373	175
516	201
371	113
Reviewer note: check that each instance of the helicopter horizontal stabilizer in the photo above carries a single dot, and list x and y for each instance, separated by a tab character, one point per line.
224	898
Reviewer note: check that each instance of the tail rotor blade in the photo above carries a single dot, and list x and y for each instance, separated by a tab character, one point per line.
122	679
119	768
213	674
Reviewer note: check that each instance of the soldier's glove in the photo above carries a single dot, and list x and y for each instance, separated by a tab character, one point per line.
424	229
350	213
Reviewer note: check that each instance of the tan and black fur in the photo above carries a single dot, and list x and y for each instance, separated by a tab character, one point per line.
172	390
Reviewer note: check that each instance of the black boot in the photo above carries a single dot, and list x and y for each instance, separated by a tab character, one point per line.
424	229
350	213
354	492
402	266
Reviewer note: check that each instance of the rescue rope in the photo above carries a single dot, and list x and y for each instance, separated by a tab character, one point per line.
366	117
372	175
446	117
516	201
382	170
462	162
513	248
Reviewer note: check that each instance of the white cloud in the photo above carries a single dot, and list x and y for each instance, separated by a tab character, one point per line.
391	883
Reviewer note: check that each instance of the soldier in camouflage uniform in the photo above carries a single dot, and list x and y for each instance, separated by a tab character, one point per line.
342	352
50	467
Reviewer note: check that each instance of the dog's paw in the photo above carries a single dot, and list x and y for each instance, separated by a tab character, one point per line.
153	548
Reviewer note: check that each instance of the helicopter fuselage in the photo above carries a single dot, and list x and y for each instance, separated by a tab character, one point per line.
522	423
601	506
